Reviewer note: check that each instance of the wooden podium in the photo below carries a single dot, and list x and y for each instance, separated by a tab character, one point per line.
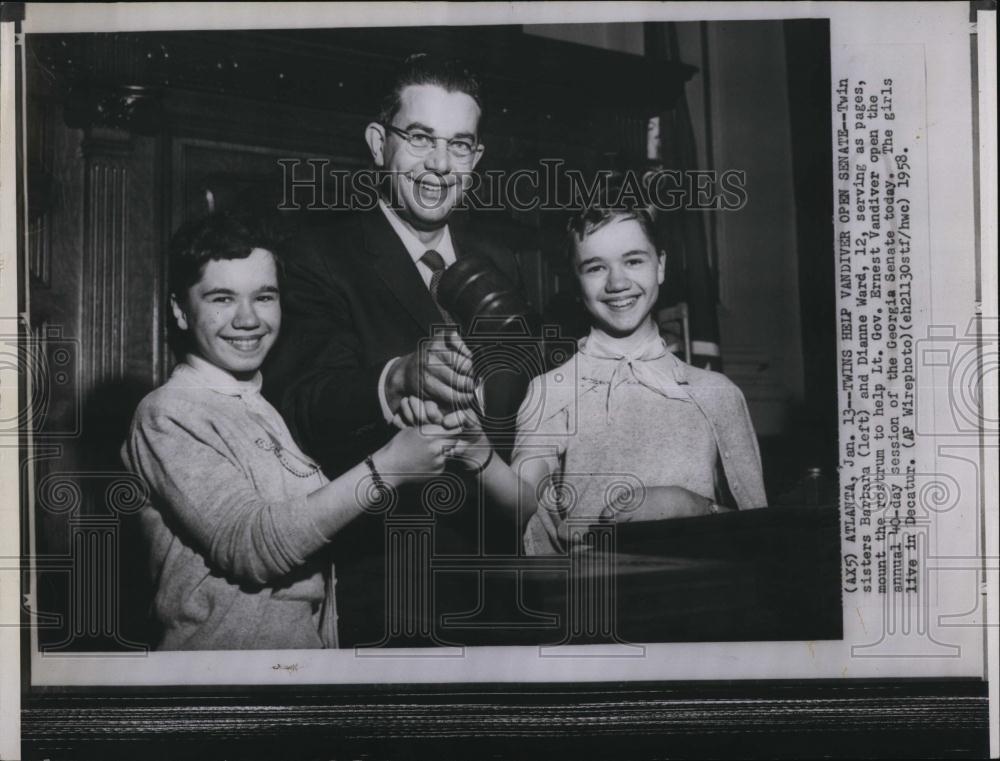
768	574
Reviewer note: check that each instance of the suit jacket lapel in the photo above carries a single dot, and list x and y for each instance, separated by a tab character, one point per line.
397	270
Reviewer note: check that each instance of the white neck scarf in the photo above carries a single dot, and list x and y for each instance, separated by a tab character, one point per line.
648	363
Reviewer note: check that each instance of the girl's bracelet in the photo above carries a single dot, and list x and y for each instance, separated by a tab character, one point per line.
380	486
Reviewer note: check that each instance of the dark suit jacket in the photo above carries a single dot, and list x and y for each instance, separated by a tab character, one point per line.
352	299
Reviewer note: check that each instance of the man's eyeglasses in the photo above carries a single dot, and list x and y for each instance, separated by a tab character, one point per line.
421	143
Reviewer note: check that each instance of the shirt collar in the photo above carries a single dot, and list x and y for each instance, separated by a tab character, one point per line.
204	373
414	247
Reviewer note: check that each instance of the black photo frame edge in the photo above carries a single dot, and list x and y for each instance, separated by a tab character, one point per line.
848	718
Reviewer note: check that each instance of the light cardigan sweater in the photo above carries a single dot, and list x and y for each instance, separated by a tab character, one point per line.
236	560
611	424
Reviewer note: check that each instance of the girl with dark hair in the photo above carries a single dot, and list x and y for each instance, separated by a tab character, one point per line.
238	518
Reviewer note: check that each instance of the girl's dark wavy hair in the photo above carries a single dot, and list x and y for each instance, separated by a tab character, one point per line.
216	237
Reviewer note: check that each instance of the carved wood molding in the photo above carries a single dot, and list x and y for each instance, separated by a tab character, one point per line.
105	275
40	194
648	720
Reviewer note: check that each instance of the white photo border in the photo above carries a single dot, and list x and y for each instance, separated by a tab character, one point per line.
681	663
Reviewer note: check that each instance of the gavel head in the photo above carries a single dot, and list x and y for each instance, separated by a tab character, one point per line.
480	298
503	337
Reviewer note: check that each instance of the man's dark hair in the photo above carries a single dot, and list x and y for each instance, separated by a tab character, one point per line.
450	74
212	238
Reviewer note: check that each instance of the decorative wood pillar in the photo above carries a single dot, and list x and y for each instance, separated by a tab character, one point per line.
107	222
99	297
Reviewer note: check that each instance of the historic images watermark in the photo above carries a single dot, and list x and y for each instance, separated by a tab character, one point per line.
314	184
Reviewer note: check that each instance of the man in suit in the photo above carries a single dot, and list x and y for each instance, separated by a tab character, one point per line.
360	304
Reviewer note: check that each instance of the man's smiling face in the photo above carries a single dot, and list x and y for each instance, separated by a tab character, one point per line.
425	189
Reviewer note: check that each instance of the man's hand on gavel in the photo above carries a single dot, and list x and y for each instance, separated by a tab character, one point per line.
439	371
